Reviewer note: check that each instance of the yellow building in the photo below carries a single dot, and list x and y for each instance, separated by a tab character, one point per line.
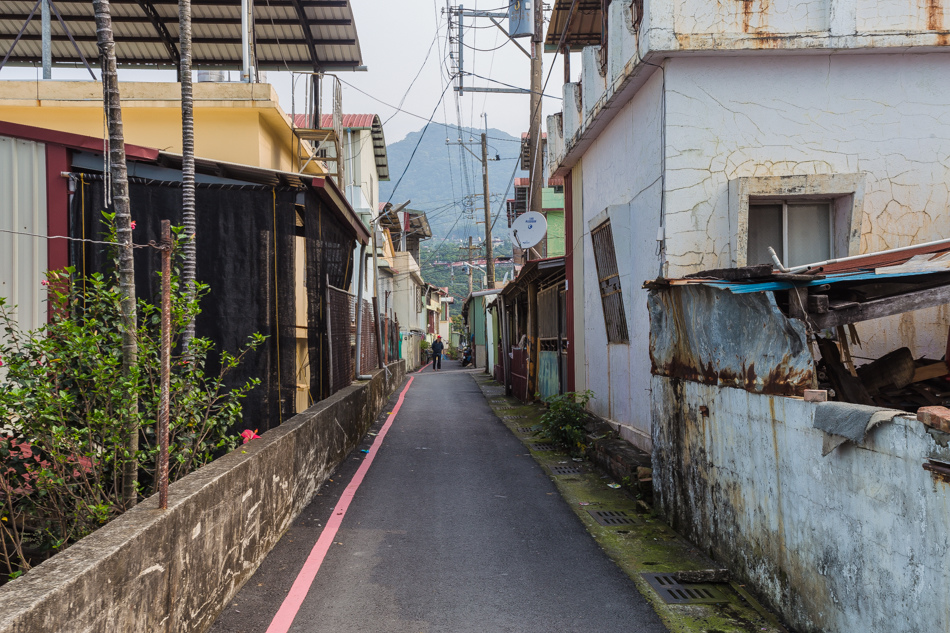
234	122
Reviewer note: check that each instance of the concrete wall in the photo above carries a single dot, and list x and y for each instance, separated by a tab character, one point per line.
621	181
855	541
234	122
174	570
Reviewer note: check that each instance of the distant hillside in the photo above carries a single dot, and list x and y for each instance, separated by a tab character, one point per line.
435	175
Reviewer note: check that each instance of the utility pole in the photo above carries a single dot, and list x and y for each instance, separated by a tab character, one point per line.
489	258
470	247
534	132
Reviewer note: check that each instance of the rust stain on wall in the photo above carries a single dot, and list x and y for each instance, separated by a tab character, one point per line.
703	334
934	15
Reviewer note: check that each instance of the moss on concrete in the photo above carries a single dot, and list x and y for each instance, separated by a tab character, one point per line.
648	545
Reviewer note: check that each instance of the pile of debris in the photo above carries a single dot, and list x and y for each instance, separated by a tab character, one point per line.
895	381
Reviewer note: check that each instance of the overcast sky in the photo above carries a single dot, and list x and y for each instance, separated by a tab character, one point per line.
396	38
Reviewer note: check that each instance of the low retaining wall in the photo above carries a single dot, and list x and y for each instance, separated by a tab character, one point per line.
854	541
174	570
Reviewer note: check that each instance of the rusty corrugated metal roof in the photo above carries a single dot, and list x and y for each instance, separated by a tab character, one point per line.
585	27
357	122
289	34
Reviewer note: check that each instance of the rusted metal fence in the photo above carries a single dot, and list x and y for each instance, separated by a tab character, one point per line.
340	333
368	359
390	329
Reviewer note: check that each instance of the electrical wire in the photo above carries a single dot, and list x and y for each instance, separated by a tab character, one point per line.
419	116
421	68
416	148
526	91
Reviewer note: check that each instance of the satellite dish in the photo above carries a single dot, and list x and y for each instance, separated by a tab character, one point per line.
528	229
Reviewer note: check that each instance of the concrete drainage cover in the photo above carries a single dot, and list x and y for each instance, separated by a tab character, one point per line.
673	592
526	429
514	417
611	518
564	470
542	447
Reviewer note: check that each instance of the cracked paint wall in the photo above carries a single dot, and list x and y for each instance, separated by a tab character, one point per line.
884	115
621	181
855	541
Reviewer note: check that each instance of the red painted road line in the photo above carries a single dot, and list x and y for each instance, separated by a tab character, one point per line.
419	371
298	592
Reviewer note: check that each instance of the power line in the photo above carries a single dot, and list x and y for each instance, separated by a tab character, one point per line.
78	239
419	116
421	136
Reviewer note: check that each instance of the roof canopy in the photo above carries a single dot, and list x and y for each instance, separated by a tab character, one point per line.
288	34
585	26
369	122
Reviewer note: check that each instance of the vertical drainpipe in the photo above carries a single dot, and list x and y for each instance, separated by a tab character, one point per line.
361	281
47	37
569	273
247	21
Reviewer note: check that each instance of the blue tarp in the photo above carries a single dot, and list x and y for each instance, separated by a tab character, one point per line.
740	288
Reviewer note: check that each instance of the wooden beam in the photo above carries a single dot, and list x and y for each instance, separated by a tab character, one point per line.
880	308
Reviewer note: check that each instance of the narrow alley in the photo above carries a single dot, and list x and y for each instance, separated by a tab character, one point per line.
454	528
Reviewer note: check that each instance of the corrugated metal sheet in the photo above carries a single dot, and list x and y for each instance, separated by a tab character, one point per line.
23	260
706	335
548	375
281	36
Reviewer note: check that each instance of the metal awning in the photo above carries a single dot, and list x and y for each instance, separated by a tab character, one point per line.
585	28
288	34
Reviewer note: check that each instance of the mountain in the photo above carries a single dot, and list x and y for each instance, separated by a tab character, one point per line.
437	176
437	181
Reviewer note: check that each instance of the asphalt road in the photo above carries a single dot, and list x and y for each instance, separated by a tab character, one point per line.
455	528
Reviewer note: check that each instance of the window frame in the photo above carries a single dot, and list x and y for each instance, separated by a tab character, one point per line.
845	191
785	202
608	282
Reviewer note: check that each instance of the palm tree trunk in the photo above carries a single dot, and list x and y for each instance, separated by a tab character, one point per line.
187	162
123	220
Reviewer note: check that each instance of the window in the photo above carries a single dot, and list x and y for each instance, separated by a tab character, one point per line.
806	218
608	278
800	232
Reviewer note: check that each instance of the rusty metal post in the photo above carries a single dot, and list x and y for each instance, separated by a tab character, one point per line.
380	359
329	337
163	407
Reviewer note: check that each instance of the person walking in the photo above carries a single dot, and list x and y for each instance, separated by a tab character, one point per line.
437	348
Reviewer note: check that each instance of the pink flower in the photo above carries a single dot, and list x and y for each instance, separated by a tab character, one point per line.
133	224
1	362
249	435
44	282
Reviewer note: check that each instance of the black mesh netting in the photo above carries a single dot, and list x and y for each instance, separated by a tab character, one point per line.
245	253
329	261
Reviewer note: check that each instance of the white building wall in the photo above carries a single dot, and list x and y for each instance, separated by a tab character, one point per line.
23	259
621	180
884	115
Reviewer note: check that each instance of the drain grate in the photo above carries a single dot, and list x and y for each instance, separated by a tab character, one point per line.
526	429
611	518
564	470
514	417
673	592
542	447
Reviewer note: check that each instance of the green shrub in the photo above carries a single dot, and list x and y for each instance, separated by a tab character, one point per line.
564	420
67	408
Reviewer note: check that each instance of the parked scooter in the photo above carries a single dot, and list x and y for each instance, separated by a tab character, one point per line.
466	357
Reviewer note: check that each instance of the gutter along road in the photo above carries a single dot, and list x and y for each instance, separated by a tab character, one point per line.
453	527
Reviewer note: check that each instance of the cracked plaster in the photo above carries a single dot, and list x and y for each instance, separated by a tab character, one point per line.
825	540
